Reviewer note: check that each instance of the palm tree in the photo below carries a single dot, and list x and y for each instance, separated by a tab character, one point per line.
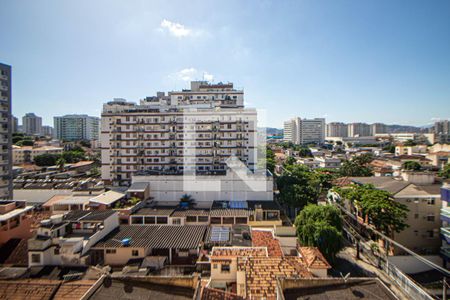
186	200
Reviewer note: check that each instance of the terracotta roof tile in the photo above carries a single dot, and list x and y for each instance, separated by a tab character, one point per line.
266	239
261	274
313	258
215	294
220	252
73	290
36	289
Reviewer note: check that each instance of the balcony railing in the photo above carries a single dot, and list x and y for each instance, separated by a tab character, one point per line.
445	234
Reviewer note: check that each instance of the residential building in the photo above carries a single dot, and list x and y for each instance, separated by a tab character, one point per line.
65	240
337	129
15	220
14	124
5	133
76	127
47	130
329	162
180	244
377	128
188	131
305	131
445	218
410	150
358	129
421	195
32	124
442	131
26	154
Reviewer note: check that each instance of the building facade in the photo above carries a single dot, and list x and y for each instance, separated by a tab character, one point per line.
305	131
442	131
358	129
337	129
47	130
5	133
192	130
76	127
378	128
32	124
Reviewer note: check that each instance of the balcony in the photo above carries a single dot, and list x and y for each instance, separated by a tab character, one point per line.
445	253
445	234
445	214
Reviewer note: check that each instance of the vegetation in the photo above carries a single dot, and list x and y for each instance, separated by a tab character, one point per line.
320	226
72	156
387	215
357	166
186	200
389	148
411	166
445	172
46	159
409	143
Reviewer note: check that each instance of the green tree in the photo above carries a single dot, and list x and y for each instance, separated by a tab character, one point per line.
352	168
386	214
289	161
304	152
320	226
445	172
73	156
409	143
411	166
61	162
45	160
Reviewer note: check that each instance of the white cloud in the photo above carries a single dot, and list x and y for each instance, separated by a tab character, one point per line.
176	29
190	74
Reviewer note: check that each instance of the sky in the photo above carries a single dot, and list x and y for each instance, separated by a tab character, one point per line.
371	61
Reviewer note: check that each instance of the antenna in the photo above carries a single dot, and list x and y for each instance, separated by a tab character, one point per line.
345	277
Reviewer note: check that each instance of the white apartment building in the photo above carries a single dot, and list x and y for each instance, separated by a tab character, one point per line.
304	131
76	127
5	133
358	129
337	129
377	128
188	131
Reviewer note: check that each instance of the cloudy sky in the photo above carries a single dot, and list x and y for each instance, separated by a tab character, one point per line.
370	61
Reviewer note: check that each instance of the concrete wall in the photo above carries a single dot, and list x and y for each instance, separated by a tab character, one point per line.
410	265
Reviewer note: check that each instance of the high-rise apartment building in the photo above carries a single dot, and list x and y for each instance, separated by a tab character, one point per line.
14	124
358	129
47	130
5	133
442	131
32	124
76	127
304	131
378	128
337	129
187	131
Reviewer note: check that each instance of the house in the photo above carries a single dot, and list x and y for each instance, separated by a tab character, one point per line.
423	201
329	162
65	240
180	244
106	200
15	220
139	190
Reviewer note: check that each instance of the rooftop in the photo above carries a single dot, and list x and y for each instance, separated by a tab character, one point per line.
313	258
221	252
266	239
155	237
108	197
155	211
261	274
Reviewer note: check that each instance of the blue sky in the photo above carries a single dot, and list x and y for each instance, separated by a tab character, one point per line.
386	61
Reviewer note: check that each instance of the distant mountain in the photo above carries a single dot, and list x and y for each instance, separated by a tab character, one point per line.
271	130
402	128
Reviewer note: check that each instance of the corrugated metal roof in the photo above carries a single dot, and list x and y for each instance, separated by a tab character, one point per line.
229	212
190	212
155	237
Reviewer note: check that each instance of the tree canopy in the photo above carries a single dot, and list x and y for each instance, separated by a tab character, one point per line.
411	166
320	226
357	166
445	172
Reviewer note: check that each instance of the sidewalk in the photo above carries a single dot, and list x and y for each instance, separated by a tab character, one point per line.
349	254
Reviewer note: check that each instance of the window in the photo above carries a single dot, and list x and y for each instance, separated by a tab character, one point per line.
134	252
416	216
161	220
35	258
149	220
176	221
136	220
430	234
191	219
430	218
203	218
214	266
56	251
431	201
110	251
225	268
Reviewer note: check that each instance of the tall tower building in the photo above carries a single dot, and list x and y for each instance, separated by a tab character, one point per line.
337	129
76	127
378	128
442	131
358	129
304	131
194	130
32	124
5	133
